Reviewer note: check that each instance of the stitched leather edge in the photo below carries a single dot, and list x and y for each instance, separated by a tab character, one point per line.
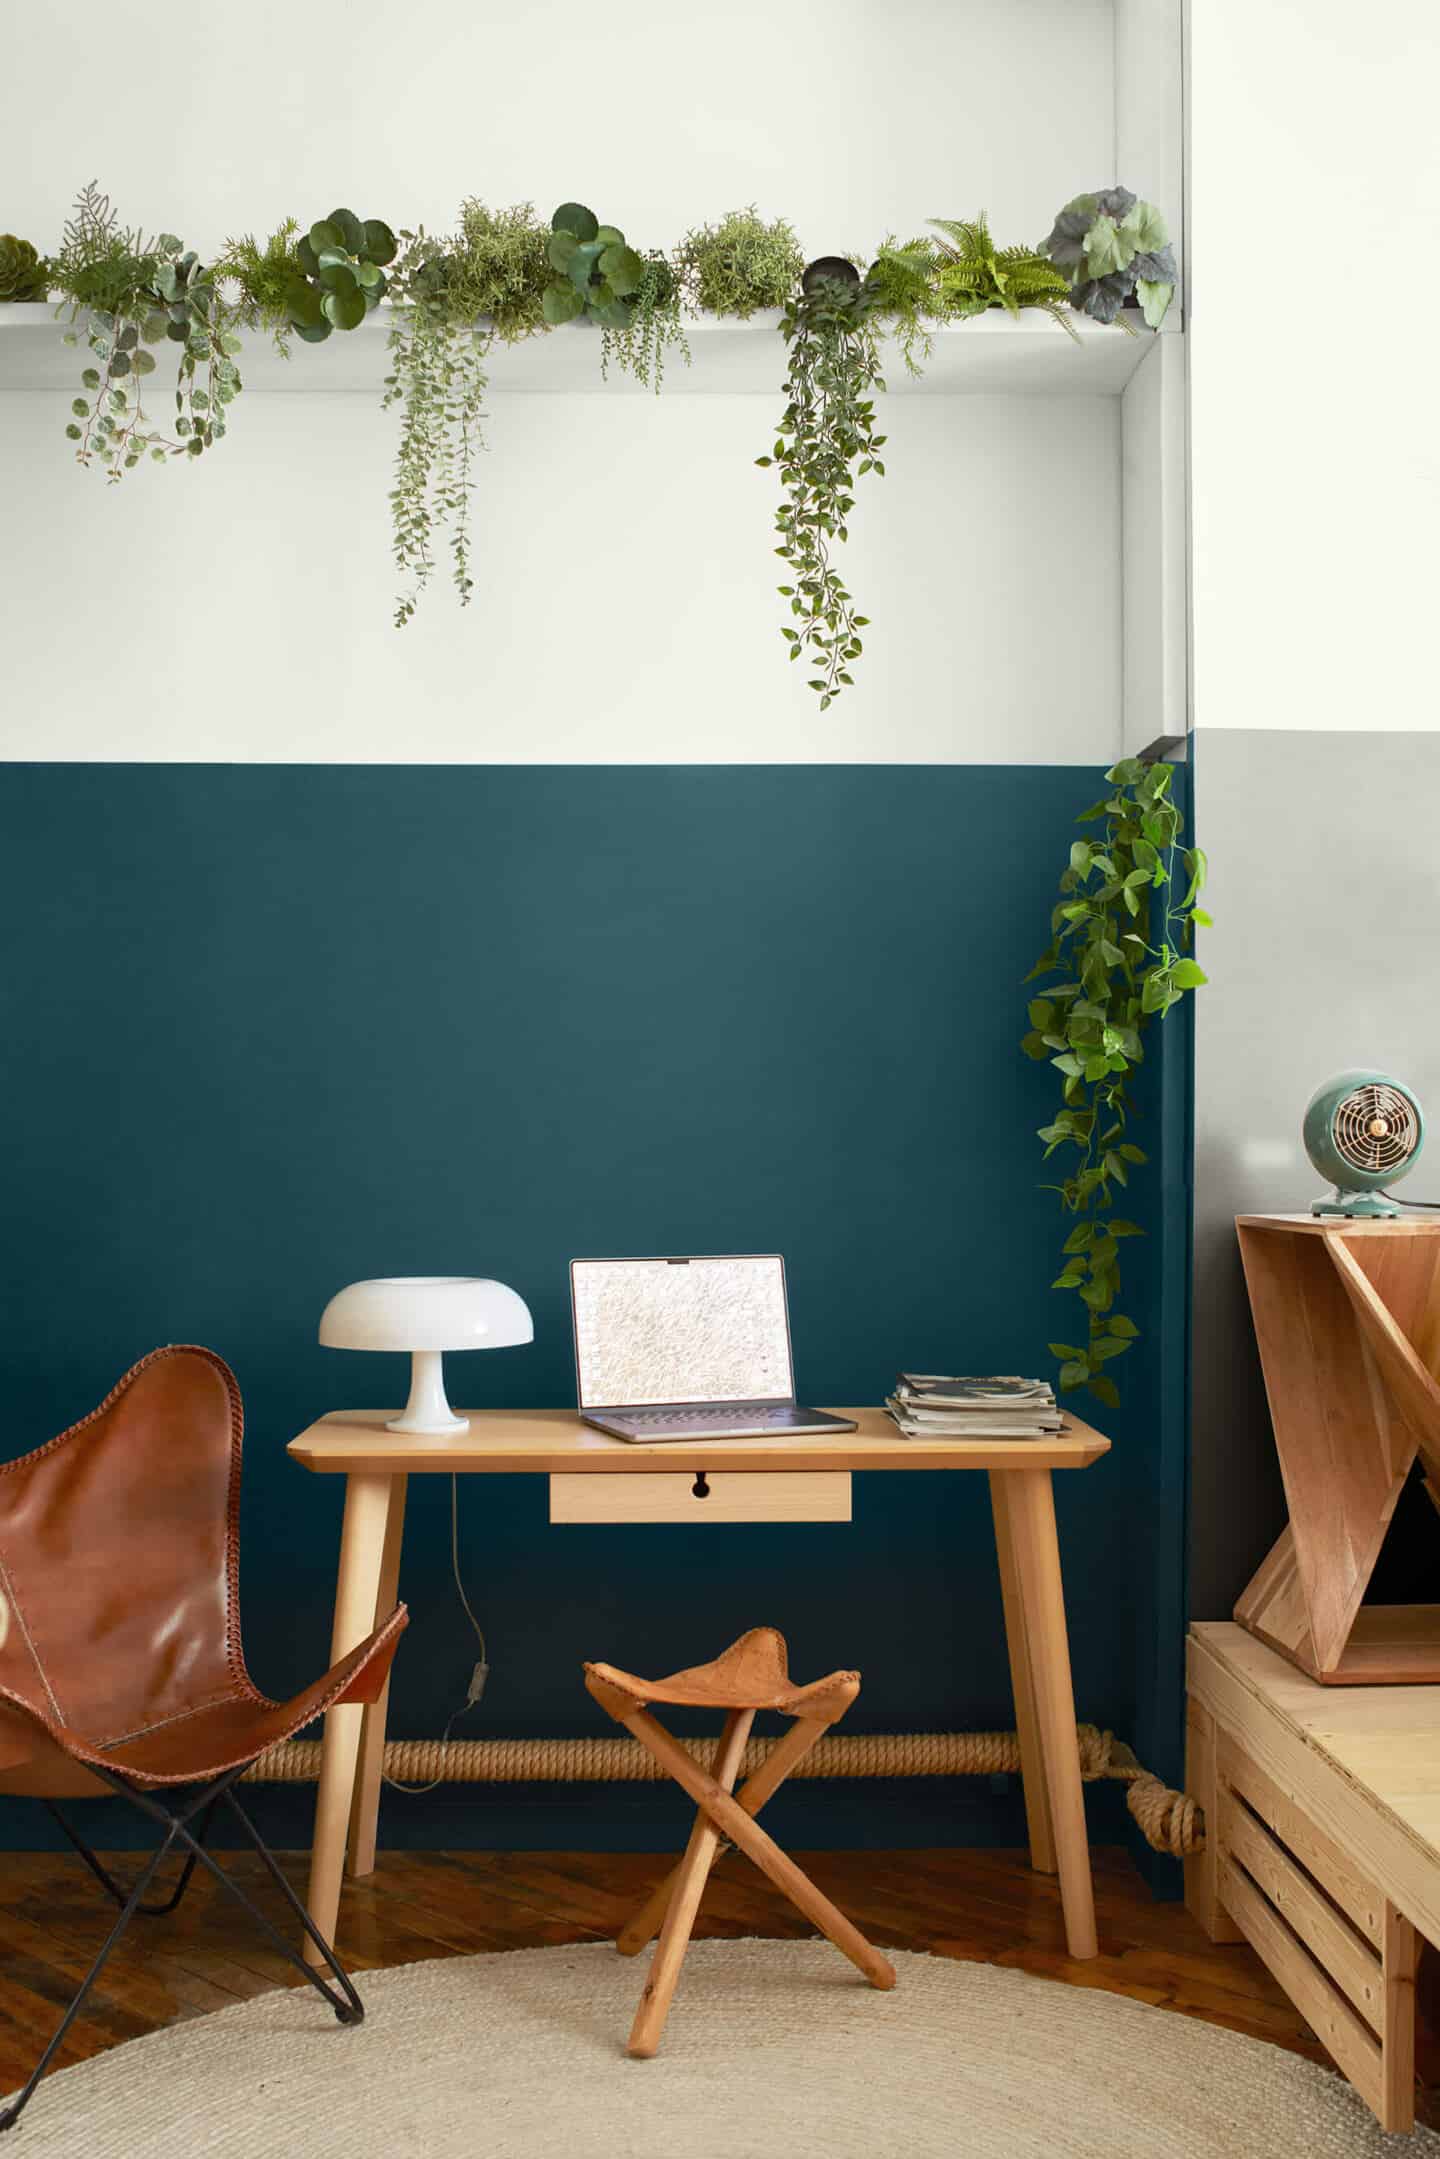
234	1651
341	1676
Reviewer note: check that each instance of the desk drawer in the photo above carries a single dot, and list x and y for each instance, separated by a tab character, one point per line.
682	1495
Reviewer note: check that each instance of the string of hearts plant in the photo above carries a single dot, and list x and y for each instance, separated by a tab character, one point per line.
133	293
1119	945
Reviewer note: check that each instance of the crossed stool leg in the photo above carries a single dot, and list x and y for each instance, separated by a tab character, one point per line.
751	1675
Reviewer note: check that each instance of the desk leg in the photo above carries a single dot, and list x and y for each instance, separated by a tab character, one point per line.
366	1806
362	1552
1042	1597
1022	1686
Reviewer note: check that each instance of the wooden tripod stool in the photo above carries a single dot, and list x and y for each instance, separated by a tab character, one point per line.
751	1675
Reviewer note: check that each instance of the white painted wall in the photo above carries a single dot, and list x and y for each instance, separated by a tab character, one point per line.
847	116
624	611
624	607
1314	322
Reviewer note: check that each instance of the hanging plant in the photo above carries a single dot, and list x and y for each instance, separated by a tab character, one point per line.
134	294
652	328
826	439
341	274
453	298
1120	944
634	298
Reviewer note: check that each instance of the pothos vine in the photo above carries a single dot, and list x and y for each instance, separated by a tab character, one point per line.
825	440
1119	945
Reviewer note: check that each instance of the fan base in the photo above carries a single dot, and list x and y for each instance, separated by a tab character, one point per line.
1368	1205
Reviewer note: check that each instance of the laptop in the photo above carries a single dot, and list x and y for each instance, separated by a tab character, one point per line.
693	1348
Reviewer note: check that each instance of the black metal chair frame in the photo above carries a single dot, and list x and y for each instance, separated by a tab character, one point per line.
176	1820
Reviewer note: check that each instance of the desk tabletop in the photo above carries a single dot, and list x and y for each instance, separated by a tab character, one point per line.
554	1440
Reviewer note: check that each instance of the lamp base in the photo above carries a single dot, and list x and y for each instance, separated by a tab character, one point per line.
427	1413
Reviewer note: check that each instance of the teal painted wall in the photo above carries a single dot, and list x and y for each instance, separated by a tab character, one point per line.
270	1029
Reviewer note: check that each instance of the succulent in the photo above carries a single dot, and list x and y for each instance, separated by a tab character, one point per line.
342	261
1111	245
596	274
23	275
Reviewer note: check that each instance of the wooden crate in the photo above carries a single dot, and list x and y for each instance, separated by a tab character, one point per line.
1305	1863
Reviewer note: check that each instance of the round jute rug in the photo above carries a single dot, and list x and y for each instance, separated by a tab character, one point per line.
774	2050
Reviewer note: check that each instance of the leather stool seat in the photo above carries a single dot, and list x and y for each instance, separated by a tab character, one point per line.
752	1673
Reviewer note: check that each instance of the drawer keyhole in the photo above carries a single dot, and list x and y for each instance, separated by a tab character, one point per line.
700	1488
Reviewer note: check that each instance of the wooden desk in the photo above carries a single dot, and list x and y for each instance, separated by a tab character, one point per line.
376	1464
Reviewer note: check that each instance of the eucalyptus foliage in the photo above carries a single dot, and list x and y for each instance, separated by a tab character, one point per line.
1112	246
826	439
453	298
1119	946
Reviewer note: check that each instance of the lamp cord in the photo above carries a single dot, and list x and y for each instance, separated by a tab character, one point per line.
481	1671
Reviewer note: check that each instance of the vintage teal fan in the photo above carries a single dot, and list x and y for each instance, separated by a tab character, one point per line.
1362	1130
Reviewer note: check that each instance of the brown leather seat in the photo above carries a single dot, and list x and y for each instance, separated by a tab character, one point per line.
119	1595
752	1673
121	1668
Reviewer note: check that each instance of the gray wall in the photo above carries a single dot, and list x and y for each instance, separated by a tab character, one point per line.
1325	887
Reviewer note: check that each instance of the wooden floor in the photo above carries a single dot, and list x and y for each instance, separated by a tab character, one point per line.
978	1905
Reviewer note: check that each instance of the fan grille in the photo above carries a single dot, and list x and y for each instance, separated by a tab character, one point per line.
1376	1128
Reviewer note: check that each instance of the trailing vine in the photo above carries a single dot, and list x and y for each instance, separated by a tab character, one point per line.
132	294
1120	946
453	299
826	439
438	377
655	327
502	276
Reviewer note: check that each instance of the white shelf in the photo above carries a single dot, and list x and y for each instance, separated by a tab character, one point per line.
992	356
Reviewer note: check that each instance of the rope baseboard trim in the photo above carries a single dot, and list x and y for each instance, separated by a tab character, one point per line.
1169	1821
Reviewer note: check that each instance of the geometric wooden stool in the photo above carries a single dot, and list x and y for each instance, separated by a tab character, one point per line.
751	1675
1347	1319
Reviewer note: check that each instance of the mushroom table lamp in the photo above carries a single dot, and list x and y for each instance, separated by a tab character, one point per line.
426	1314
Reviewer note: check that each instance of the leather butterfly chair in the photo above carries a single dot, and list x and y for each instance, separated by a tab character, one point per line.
120	1661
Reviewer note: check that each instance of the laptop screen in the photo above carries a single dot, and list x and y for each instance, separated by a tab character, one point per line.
681	1330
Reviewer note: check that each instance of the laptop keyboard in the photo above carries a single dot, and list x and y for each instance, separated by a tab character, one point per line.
732	1413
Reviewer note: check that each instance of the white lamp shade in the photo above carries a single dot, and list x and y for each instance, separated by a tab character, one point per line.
426	1311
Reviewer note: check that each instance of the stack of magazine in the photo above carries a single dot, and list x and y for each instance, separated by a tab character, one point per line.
931	1405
